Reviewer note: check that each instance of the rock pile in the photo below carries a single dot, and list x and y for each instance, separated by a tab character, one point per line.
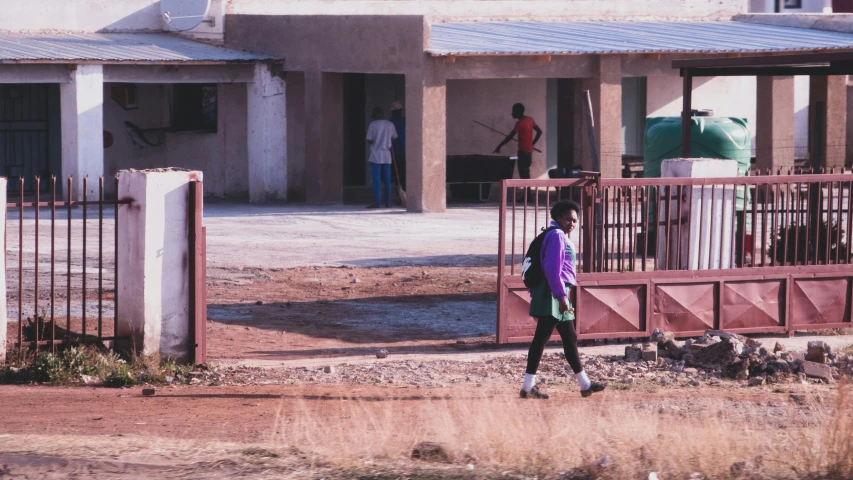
741	358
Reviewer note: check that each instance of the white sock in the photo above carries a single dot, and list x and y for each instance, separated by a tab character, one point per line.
529	382
583	380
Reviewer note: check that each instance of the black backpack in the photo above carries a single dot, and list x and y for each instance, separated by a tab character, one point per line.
531	267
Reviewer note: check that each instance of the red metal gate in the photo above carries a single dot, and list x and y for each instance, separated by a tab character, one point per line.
761	254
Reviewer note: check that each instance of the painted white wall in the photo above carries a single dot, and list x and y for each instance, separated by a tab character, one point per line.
454	9
101	16
82	114
267	136
808	6
153	276
222	156
490	102
727	96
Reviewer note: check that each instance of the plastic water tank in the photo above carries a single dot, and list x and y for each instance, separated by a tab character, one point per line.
710	137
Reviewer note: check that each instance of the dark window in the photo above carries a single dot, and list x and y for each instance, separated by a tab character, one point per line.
793	3
194	107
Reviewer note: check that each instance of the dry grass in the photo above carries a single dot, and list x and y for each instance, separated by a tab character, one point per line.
544	438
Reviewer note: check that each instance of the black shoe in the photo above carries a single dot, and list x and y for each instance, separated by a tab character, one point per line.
595	387
387	205
375	205
534	393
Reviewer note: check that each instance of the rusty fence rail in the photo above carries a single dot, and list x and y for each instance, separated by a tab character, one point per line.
763	253
736	223
65	266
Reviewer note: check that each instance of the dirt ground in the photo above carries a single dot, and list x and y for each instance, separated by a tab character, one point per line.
243	431
284	314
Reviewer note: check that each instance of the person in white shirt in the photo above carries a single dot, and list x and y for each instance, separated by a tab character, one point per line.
380	133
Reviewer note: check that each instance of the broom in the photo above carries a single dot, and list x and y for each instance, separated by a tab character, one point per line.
400	192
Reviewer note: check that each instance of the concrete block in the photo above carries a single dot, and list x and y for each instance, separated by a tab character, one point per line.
816	352
82	116
697	219
817	370
650	352
633	353
153	267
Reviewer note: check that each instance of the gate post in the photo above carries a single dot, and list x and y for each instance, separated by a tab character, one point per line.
154	260
3	318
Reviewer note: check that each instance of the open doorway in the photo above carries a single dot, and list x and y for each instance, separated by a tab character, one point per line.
363	92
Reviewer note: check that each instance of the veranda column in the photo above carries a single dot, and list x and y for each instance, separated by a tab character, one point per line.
153	261
426	144
267	136
774	142
82	115
605	90
324	145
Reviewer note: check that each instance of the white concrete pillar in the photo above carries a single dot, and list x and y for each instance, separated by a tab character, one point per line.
82	113
267	136
426	144
3	318
706	241
153	262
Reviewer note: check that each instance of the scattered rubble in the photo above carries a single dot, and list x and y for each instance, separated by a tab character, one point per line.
430	451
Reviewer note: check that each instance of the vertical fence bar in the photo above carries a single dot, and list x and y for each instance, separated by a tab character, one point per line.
85	206
754	225
799	220
197	282
644	211
38	321
712	223
115	268
732	248
764	222
21	269
632	232
722	222
849	220
679	256
773	231
668	190
524	225
536	212
620	191
101	257
53	264
503	193
700	255
823	197
608	255
838	222
68	267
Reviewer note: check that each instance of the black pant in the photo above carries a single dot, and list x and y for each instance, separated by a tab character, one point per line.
544	329
525	159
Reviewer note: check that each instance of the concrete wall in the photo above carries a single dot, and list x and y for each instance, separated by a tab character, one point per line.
474	9
101	16
360	44
221	156
808	6
490	102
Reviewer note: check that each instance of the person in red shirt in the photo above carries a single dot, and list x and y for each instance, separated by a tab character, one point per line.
524	127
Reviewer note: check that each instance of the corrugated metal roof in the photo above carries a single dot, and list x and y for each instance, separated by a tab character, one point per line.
509	38
113	48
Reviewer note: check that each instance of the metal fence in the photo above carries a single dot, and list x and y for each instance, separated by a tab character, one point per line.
765	253
63	264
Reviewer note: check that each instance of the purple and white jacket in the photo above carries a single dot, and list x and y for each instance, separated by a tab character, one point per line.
558	259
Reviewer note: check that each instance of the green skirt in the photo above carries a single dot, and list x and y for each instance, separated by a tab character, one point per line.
543	304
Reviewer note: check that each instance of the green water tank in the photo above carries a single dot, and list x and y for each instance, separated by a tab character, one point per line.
710	137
